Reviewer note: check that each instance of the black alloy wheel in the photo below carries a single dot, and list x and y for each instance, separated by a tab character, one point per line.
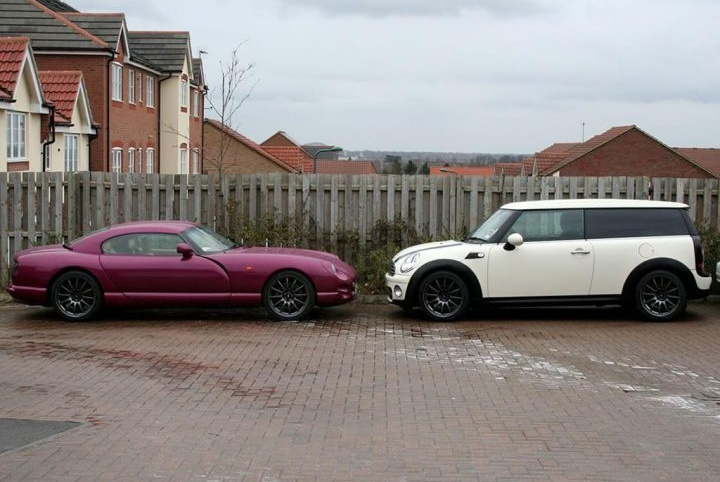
444	296
289	296
661	296
76	296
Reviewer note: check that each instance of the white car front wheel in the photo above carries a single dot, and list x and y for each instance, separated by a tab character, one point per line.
444	296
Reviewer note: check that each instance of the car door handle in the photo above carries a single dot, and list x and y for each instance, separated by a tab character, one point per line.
580	251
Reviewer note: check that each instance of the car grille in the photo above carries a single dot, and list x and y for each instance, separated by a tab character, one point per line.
392	269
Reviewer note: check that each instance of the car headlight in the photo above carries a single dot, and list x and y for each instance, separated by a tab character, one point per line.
330	267
409	263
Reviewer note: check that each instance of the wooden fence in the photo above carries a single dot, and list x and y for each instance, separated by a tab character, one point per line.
37	208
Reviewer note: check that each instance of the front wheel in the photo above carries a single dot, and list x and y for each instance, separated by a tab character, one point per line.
288	296
444	296
660	296
76	296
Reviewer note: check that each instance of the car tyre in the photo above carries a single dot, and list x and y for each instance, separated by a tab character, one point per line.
444	296
288	296
76	296
660	296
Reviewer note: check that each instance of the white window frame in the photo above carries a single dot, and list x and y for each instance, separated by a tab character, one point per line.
140	160
183	161
116	160
72	152
150	91
117	82
196	103
131	160
149	160
131	86
196	161
16	136
140	88
183	93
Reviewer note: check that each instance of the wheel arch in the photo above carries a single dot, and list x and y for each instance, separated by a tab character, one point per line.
294	270
67	269
667	264
465	273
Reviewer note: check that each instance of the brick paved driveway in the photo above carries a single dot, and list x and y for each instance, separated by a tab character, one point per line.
364	393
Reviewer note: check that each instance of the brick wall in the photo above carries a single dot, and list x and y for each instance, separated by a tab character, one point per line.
95	72
633	154
238	159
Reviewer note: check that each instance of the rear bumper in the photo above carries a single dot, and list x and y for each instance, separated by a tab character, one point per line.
28	295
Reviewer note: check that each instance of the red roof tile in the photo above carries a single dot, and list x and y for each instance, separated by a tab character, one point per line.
294	157
707	158
462	170
345	167
508	168
12	54
61	88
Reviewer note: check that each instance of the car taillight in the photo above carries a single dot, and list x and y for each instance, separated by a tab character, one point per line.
699	257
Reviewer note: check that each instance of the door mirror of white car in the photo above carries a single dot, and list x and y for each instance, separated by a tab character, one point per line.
513	241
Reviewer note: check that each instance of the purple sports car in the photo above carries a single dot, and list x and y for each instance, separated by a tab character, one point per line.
173	264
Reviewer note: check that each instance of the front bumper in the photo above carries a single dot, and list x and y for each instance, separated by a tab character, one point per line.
397	286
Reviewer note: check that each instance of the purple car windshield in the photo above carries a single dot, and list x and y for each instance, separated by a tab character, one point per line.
205	240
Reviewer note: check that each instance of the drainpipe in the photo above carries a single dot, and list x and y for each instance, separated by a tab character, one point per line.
51	134
158	105
108	93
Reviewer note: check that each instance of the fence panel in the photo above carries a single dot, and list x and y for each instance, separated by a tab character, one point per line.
37	208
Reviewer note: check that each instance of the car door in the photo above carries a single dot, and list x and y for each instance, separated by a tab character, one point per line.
553	261
147	269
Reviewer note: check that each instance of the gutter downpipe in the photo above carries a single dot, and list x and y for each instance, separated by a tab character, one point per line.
51	135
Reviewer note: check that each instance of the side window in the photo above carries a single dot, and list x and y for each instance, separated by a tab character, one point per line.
143	244
625	223
549	225
126	244
162	244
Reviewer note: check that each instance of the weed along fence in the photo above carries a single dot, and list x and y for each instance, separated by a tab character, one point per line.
39	208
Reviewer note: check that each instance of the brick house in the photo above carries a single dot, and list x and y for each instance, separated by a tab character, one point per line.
72	124
146	100
284	147
620	151
228	151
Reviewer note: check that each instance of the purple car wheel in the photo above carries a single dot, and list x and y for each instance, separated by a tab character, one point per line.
76	296
288	295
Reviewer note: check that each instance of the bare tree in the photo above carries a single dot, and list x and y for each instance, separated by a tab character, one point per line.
225	102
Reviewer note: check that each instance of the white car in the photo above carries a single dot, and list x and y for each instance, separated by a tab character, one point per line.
642	254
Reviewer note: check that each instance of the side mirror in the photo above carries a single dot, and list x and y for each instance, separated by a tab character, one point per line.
185	250
513	241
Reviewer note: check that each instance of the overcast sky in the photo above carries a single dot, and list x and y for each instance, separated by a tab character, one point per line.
499	76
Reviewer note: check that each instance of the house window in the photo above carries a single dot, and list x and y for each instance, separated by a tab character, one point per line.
195	161
116	82
16	123
196	103
131	160
117	160
183	161
150	161
140	159
139	87
71	153
150	92
131	86
183	93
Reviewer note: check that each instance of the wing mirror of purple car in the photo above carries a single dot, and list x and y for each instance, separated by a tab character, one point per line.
513	241
185	250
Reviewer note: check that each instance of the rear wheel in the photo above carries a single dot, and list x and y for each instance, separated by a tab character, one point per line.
444	296
660	296
288	295
76	296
